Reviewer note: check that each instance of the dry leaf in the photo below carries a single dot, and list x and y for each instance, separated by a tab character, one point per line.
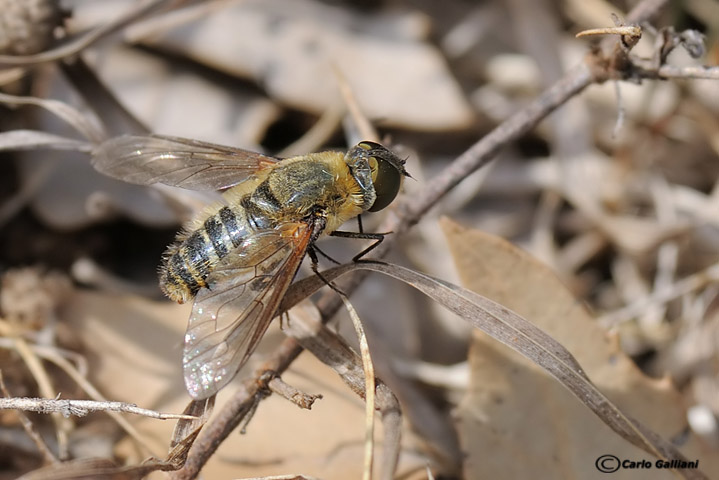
517	421
521	335
290	48
32	139
135	345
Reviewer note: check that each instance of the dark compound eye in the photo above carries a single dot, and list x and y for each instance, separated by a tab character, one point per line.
386	184
387	172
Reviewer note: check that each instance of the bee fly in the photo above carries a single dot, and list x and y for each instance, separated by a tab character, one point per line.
236	259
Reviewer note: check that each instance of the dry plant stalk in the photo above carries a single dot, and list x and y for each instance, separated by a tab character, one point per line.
629	30
80	408
29	427
62	425
299	398
369	387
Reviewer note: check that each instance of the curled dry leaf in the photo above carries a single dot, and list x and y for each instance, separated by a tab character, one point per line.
65	112
32	140
514	411
525	338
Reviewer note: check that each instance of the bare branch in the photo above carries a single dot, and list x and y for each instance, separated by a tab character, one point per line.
80	408
299	398
29	427
666	72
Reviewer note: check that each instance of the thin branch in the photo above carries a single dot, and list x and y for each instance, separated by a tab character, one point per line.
662	296
234	411
329	348
287	391
666	72
80	408
58	358
29	427
411	210
45	385
632	30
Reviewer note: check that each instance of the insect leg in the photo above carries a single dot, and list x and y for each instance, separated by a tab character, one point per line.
284	319
377	237
317	250
312	252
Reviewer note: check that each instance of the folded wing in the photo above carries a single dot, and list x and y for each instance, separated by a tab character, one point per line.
231	315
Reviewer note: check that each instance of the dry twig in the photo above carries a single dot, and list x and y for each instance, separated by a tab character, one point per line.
299	398
28	426
80	408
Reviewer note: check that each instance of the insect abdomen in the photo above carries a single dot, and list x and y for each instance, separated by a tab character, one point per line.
189	262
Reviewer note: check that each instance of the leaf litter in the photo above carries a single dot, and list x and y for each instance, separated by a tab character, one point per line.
624	215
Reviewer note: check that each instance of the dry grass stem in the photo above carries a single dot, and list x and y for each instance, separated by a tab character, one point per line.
45	385
368	368
93	392
62	110
360	122
662	296
630	30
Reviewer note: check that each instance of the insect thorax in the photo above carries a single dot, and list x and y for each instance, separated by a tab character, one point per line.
291	192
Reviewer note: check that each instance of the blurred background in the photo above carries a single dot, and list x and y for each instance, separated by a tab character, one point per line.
613	198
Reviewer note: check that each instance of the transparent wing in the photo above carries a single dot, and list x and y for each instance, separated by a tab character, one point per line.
179	162
230	316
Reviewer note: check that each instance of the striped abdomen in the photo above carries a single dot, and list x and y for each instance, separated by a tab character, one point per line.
188	263
288	193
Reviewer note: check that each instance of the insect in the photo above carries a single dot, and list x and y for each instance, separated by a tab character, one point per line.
237	258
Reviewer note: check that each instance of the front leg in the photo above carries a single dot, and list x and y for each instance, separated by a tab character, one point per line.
377	237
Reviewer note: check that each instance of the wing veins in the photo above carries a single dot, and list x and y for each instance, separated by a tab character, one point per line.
157	159
227	341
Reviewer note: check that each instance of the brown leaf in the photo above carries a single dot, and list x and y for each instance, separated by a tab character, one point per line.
515	416
525	338
135	348
420	93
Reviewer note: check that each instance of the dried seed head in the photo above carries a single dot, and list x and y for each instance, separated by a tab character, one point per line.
28	26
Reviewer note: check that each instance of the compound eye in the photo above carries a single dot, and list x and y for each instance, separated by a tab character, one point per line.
387	180
386	170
